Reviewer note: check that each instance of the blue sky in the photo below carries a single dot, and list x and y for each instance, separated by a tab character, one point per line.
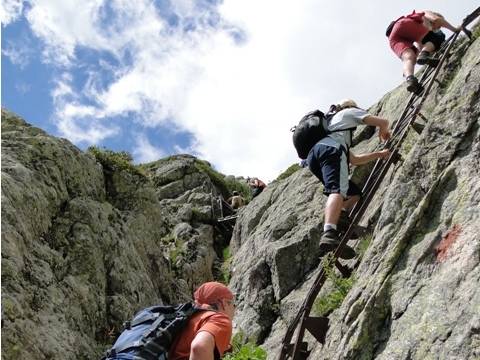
223	80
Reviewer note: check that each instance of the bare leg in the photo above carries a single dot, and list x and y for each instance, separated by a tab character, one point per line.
409	58
428	47
333	208
329	239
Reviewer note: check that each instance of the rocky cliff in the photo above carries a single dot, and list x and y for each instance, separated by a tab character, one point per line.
416	288
86	243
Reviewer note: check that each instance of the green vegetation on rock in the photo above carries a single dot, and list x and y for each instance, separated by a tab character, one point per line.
363	244
324	305
176	251
225	184
244	351
476	32
113	161
289	171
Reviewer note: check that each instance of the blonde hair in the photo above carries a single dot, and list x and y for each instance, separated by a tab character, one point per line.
345	104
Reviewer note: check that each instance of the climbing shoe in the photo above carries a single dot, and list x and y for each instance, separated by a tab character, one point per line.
424	58
413	85
329	242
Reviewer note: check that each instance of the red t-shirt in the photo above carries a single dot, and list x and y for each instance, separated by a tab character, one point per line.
217	324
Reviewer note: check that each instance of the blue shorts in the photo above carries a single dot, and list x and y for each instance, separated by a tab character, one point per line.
330	165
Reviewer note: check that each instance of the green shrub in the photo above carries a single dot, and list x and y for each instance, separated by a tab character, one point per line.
198	215
290	170
115	161
176	251
245	351
324	305
168	239
225	185
242	188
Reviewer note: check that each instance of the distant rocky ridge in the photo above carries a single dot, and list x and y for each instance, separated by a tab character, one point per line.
86	246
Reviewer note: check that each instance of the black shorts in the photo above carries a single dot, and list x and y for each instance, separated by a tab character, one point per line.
435	37
330	166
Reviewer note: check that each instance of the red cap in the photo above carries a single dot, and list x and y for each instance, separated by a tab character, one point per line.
212	292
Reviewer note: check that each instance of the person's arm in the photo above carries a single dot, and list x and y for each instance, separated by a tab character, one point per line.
365	158
382	125
202	347
438	21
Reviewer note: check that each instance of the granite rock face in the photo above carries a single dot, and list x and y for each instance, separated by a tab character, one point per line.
416	292
84	248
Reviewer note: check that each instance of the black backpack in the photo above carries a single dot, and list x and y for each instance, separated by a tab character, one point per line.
390	28
311	128
151	332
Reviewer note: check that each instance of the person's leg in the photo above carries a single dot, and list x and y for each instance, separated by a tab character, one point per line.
330	238
333	208
335	179
349	203
430	43
329	166
428	46
409	58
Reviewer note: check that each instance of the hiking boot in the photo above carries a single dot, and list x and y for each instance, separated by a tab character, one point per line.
329	242
424	58
413	85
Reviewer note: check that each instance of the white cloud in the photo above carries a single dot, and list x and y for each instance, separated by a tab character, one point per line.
11	10
145	152
18	54
297	58
22	87
78	122
239	100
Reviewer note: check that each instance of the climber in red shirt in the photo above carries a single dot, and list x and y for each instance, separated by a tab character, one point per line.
411	33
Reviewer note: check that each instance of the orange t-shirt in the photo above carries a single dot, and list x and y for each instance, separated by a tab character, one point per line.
217	324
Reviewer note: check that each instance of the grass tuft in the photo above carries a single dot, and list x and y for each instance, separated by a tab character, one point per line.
324	305
289	171
242	350
115	161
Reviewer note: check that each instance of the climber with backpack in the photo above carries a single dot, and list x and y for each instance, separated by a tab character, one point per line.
256	185
199	330
418	31
324	141
236	201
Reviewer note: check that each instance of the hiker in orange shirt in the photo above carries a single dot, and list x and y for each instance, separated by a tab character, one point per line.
207	334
